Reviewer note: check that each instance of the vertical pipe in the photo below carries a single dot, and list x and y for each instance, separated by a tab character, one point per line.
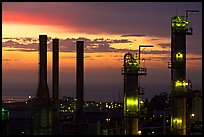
80	80
43	91
134	126
98	127
55	85
55	71
43	58
42	122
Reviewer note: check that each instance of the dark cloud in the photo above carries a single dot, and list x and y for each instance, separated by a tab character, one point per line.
154	39
6	38
199	58
71	57
133	35
22	50
120	41
20	47
165	45
66	45
7	60
24	39
159	58
98	56
90	46
87	56
156	52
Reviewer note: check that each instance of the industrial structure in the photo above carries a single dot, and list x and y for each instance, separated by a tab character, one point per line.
55	71
55	85
45	109
179	30
42	107
52	116
79	82
5	117
132	91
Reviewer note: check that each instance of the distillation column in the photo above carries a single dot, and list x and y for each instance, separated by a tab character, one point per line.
131	72
179	30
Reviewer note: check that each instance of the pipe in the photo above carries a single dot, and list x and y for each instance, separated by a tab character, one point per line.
55	71
43	91
80	80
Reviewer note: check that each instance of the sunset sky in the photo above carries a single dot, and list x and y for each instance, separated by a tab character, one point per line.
108	29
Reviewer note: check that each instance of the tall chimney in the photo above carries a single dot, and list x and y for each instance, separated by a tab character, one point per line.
42	116
55	71
55	85
80	81
43	91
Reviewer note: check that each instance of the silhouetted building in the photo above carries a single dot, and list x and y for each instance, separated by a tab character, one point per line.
20	118
5	121
195	116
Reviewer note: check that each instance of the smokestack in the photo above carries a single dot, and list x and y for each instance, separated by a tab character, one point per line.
55	85
55	71
43	91
80	81
42	116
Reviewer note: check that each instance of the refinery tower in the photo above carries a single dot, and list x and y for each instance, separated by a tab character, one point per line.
179	30
132	91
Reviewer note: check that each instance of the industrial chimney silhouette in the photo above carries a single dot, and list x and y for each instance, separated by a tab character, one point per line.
80	81
55	85
43	91
42	113
55	71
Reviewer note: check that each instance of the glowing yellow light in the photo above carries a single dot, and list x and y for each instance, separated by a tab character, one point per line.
193	115
177	120
135	63
179	55
180	83
179	22
132	101
139	132
132	104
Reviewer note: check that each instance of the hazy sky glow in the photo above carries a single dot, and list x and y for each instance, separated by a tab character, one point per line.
107	29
